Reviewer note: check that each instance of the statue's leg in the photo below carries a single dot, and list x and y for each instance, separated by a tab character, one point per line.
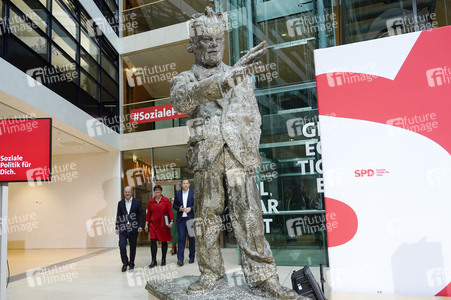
208	208
246	215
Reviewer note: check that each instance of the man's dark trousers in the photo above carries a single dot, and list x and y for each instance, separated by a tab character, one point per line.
132	237
183	232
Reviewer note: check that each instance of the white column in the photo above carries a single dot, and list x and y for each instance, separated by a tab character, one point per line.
3	236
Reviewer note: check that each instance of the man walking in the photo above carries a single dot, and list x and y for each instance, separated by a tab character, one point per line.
129	222
184	204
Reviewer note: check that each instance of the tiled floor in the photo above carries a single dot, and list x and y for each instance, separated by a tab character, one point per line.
96	274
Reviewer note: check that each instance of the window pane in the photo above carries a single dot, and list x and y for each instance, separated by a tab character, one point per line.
107	98
89	85
65	19
63	40
112	6
89	104
23	57
64	65
90	46
67	90
109	67
33	12
28	35
109	84
71	5
88	64
109	51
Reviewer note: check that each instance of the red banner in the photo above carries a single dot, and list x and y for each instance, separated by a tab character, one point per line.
154	114
25	149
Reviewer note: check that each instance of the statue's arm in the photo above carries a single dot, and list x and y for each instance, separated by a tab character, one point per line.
187	93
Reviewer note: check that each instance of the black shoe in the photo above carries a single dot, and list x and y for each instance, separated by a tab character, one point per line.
153	264
180	263
124	267
191	260
163	261
131	267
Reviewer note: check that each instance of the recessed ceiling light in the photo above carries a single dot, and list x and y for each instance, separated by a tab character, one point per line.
59	139
81	147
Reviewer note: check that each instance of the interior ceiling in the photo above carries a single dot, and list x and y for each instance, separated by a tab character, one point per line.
62	142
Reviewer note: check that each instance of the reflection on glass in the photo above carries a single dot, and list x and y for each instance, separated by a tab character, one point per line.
28	35
36	15
64	65
89	85
149	15
66	20
108	66
365	20
109	84
88	64
63	40
90	46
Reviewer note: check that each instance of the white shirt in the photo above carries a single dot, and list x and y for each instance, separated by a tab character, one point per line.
185	202
128	206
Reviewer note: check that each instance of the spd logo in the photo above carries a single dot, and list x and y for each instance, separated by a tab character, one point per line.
364	172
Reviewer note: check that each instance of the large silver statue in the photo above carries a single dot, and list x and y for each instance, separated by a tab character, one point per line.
223	151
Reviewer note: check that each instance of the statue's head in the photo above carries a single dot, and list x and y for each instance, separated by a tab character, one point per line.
207	37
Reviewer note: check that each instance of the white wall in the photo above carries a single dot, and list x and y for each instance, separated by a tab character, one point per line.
60	210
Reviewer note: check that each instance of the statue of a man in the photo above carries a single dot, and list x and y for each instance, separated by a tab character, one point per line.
223	151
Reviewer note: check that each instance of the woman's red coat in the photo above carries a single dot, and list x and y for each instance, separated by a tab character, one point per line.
155	215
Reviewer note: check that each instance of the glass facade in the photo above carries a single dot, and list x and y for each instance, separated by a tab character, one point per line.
290	177
144	169
148	14
110	11
364	20
53	42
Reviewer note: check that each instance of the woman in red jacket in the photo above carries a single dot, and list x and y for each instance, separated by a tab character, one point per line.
158	207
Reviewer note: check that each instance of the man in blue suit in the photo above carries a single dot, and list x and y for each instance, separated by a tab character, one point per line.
184	205
129	222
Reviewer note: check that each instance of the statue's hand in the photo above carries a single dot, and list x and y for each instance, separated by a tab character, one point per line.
252	55
233	77
245	66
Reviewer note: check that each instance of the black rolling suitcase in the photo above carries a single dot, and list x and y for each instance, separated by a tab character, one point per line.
304	284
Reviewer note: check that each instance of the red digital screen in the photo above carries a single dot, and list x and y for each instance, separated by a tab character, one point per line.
25	149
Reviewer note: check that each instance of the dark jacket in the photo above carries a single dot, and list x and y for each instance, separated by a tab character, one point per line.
178	202
135	218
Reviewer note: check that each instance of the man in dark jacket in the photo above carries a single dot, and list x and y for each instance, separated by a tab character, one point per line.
184	205
129	222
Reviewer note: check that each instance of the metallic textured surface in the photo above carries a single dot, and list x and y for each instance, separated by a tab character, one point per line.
176	290
224	123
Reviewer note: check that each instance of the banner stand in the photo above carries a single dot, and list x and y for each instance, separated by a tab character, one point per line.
3	237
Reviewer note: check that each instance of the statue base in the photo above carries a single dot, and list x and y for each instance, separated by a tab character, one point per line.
176	288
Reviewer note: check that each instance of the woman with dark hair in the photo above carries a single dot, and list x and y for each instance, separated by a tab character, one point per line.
157	209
